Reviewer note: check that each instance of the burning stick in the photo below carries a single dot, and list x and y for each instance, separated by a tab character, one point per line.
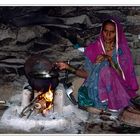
27	111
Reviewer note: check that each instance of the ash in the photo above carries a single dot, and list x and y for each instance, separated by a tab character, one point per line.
70	121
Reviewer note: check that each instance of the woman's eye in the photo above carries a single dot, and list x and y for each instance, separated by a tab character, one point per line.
105	30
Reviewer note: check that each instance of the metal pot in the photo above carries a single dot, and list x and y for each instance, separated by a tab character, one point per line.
41	73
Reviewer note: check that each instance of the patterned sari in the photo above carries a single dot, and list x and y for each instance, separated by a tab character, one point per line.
105	88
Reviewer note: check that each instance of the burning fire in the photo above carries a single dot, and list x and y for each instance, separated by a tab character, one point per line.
45	101
42	103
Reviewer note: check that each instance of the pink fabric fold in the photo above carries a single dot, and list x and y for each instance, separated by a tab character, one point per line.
113	88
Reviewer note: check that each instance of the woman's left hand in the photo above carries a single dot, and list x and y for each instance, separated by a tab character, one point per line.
103	57
99	58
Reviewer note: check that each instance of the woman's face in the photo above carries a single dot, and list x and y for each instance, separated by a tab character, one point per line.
109	33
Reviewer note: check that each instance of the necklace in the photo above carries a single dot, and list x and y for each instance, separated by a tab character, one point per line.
109	47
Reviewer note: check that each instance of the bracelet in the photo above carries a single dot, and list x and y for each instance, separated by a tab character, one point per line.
72	69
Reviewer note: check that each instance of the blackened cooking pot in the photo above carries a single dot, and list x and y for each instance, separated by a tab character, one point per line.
41	73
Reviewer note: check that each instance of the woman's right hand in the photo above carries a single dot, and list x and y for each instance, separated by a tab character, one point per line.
62	65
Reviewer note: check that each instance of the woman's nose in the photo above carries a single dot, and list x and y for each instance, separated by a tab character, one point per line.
108	34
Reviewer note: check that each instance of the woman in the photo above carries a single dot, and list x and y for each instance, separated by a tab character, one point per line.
110	80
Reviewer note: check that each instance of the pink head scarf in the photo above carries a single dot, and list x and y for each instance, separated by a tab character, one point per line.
125	60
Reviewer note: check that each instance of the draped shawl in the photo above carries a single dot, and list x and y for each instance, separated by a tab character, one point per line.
125	60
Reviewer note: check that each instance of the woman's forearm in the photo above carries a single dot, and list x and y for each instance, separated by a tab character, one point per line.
79	72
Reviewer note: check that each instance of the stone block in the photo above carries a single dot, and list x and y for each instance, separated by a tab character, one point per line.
136	56
138	79
137	70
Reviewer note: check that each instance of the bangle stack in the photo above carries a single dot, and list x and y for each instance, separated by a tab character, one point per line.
72	69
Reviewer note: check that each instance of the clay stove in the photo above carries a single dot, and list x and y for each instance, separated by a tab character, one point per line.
45	92
44	102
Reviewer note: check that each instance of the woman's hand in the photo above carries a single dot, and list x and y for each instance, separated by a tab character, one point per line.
99	59
103	57
62	65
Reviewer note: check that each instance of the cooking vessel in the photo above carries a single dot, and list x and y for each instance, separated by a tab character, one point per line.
41	73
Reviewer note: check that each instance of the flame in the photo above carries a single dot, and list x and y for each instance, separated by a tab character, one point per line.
48	97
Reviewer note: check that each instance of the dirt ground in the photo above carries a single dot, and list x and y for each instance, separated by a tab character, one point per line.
92	126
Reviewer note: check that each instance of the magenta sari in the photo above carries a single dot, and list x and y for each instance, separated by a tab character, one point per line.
112	89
